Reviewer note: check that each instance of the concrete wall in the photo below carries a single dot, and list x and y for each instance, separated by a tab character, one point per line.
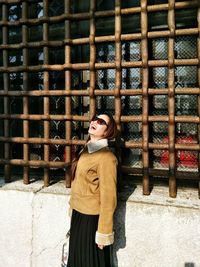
151	231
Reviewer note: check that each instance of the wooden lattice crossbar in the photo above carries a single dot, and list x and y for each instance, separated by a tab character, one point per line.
171	150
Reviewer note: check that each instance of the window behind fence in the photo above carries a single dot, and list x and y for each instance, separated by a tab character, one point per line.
61	61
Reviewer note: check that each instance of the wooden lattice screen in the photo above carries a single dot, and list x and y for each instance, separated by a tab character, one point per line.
137	59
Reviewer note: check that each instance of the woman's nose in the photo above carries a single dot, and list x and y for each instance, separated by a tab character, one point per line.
94	122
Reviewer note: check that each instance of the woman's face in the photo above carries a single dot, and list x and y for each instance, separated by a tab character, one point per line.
98	126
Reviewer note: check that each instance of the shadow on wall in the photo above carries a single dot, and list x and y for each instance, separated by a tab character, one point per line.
125	187
119	220
189	264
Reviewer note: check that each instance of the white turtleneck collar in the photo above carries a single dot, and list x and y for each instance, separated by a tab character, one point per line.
95	146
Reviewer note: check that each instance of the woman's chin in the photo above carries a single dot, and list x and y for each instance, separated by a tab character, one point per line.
91	131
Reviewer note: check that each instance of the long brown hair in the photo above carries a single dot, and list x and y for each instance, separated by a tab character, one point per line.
111	133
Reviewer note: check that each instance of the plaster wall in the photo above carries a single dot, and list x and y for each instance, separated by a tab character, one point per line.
150	231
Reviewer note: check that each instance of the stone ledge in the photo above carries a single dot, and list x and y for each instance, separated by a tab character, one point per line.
186	197
20	186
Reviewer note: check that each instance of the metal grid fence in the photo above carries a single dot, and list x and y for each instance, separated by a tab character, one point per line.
62	61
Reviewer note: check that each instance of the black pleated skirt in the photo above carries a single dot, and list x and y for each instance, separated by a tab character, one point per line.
83	251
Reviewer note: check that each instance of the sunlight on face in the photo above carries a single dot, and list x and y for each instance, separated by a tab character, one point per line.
96	130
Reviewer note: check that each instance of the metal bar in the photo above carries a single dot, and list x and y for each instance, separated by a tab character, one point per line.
118	60
43	117
127	144
118	82
34	44
130	170
198	51
36	140
97	14
171	101
92	59
34	163
145	100
25	98
87	66
133	118
100	39
68	127
177	91
161	173
97	92
48	93
136	36
16	1
43	164
7	168
46	88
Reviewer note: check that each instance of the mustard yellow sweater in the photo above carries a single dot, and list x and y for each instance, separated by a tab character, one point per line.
94	190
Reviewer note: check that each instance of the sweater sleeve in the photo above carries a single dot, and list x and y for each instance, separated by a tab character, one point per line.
107	172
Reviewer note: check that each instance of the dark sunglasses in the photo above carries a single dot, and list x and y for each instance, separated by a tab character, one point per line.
100	121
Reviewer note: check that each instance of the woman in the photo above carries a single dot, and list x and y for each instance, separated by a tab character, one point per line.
93	197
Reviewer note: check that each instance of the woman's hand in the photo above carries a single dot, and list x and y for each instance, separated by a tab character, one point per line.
100	246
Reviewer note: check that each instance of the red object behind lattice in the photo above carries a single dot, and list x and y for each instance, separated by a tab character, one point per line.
186	159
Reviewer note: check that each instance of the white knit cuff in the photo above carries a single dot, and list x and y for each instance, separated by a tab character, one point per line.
104	239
